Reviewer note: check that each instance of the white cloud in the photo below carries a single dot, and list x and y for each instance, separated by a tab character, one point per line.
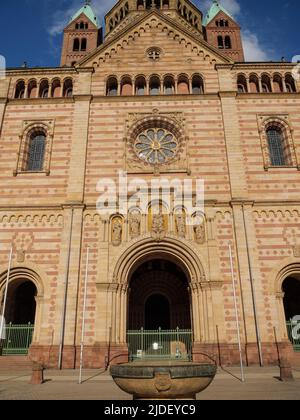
252	48
232	6
61	17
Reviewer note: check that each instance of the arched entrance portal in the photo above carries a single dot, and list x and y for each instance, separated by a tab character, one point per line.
159	297
159	319
157	313
21	305
20	315
291	302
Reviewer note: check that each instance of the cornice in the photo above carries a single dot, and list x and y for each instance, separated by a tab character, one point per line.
84	97
268	95
41	101
263	65
40	71
149	98
228	94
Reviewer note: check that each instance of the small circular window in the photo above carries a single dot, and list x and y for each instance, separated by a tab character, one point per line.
156	146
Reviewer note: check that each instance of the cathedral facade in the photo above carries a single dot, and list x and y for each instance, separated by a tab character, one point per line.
163	92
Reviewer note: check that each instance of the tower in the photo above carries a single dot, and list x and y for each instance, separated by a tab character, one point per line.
223	32
81	36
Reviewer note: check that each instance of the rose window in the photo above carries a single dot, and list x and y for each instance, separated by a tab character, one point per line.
156	146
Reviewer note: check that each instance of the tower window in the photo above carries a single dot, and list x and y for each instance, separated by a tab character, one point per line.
83	44
36	152
228	45
220	42
76	44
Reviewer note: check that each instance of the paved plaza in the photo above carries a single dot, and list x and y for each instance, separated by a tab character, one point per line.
261	383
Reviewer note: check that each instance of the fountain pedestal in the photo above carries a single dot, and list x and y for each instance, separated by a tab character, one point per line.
163	380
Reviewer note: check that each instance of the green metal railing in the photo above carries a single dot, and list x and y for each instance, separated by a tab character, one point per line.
160	344
18	339
290	327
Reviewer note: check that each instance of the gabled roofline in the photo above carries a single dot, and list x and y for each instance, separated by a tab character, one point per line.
229	17
167	20
78	17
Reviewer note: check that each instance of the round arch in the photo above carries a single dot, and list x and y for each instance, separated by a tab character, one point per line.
172	249
25	273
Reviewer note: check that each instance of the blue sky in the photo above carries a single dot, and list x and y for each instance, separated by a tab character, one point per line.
30	30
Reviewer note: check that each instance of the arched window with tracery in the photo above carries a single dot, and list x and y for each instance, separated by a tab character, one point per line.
36	152
277	148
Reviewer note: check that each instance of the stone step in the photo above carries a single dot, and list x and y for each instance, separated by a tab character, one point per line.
15	363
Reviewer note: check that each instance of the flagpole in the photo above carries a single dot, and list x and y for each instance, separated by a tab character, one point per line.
5	293
236	315
84	315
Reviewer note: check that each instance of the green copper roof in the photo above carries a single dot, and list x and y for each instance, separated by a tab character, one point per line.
89	13
213	11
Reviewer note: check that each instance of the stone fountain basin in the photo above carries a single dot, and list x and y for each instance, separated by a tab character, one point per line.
163	380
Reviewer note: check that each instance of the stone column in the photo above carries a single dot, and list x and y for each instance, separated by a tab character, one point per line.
260	84
248	84
195	311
